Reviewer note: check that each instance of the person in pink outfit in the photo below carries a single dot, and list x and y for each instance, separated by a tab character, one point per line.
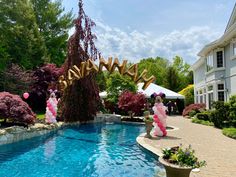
159	118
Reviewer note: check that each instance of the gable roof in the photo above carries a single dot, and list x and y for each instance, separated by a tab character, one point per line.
232	18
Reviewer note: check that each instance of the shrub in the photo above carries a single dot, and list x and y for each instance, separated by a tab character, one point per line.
204	115
188	92
192	113
230	132
203	122
195	107
134	102
14	109
220	114
232	108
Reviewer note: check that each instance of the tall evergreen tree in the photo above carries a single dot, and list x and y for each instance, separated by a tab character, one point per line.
53	24
19	34
81	99
172	79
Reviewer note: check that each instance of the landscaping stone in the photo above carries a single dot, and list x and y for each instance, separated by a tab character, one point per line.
17	133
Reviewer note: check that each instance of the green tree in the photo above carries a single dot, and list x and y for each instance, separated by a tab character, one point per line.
53	25
101	78
3	57
156	67
19	34
116	84
185	76
172	79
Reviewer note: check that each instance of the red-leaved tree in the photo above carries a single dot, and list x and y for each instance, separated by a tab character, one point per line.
134	102
81	99
193	107
14	109
44	78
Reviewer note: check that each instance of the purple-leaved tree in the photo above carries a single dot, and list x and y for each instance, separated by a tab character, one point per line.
80	100
14	109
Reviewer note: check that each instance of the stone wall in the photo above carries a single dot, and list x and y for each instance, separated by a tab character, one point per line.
107	118
18	133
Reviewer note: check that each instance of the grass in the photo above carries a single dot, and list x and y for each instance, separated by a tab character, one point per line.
41	116
203	122
230	132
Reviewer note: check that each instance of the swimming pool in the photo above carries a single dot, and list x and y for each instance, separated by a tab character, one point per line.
88	150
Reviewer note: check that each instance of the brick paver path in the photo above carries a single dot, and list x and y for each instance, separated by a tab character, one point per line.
210	144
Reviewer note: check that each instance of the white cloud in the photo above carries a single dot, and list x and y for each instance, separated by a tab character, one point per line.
135	45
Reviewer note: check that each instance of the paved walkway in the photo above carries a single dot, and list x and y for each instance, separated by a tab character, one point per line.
210	144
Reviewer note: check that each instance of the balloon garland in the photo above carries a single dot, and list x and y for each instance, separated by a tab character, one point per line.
76	73
51	110
159	118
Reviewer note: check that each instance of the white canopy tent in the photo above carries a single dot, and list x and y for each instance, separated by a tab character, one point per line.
152	88
103	94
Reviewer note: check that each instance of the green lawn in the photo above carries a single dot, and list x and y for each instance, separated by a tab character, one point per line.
230	132
203	122
41	116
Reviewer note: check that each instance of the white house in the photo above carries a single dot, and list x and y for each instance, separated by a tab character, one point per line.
215	70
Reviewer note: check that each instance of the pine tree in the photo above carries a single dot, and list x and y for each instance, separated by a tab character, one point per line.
81	99
53	24
19	34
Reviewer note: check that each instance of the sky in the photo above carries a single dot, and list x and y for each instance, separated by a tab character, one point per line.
137	29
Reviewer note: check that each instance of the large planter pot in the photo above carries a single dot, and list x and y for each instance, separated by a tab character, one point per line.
148	125
175	170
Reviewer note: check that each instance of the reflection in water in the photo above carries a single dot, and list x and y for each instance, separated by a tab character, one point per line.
50	148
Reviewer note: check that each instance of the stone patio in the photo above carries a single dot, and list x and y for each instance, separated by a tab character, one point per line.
210	144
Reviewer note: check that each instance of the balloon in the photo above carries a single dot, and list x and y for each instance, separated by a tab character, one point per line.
26	95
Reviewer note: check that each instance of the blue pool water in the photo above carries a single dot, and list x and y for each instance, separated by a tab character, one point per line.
89	150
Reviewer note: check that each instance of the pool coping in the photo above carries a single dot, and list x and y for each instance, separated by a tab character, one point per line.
155	151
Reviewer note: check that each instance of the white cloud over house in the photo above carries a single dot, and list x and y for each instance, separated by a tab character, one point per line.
135	45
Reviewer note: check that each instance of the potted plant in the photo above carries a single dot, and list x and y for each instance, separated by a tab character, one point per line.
148	123
179	162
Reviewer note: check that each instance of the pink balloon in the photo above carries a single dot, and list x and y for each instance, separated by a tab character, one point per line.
26	95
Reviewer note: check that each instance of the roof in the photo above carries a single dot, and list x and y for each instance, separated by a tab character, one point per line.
231	19
157	89
230	32
152	88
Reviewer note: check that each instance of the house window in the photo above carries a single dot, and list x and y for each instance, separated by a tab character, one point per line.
210	100
201	99
234	48
210	88
210	96
219	59
220	86
221	92
209	62
205	96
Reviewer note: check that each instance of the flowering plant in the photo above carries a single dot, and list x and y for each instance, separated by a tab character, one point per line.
182	157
